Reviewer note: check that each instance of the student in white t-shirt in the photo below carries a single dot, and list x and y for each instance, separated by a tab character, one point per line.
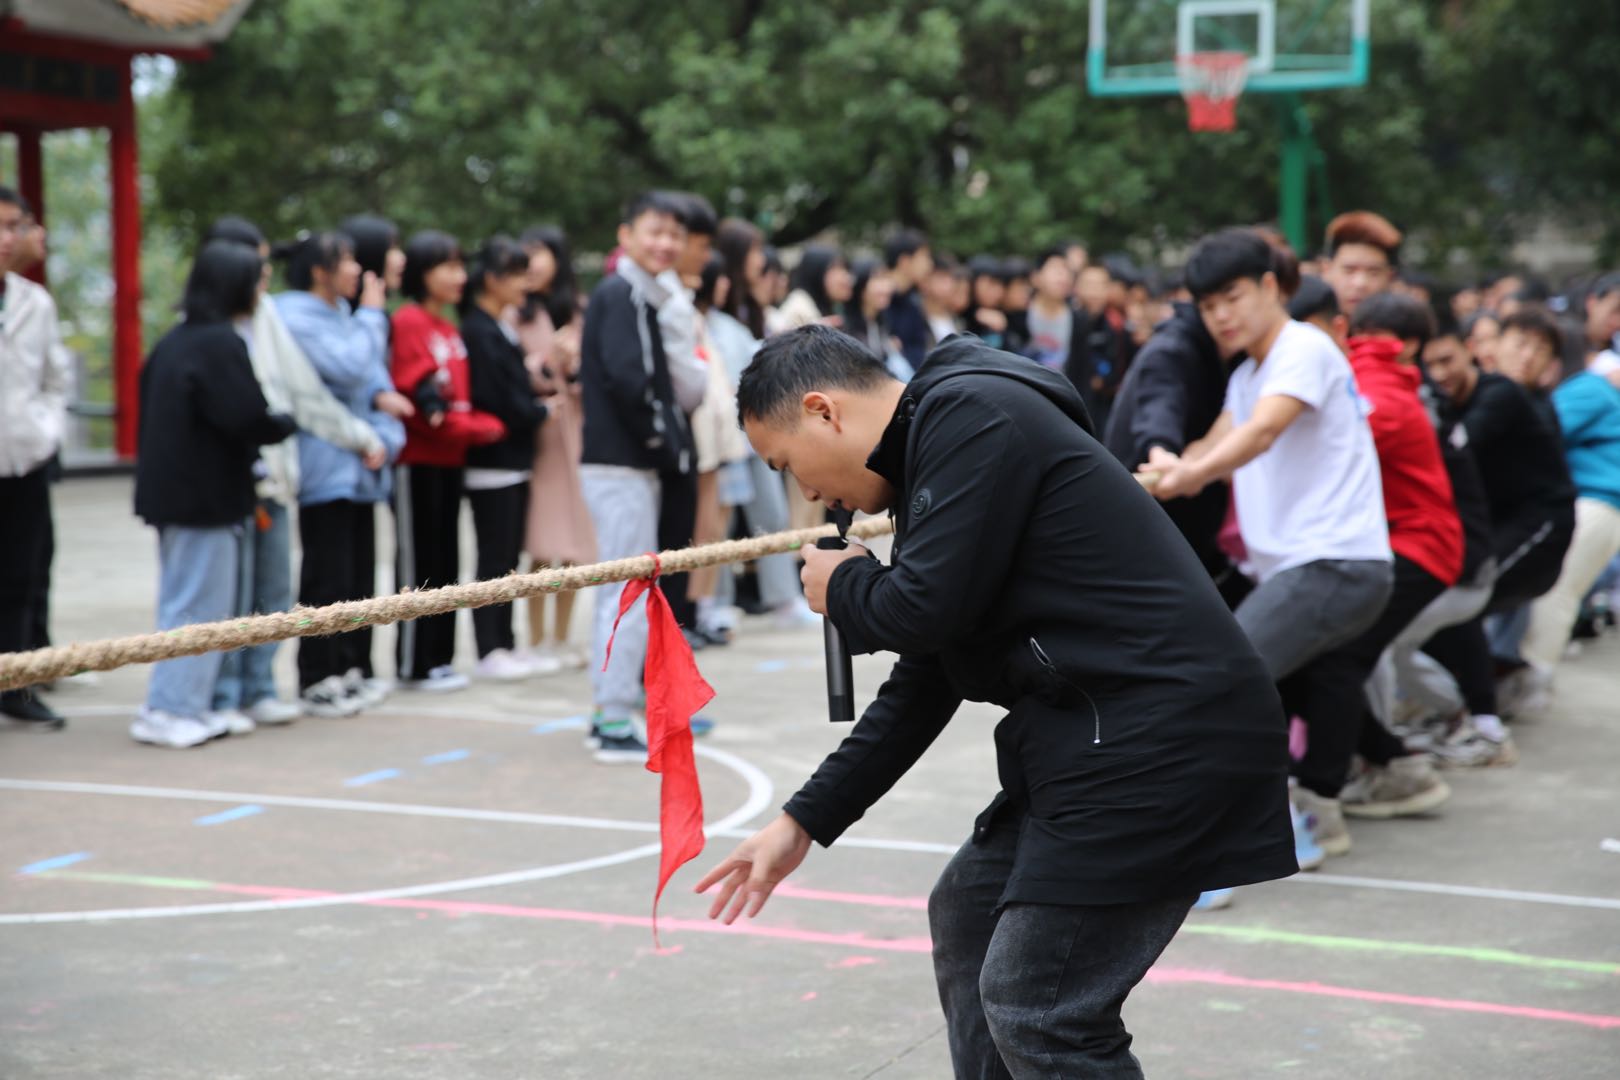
1310	506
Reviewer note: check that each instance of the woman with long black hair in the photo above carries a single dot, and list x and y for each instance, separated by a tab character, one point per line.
560	532
203	420
822	288
497	478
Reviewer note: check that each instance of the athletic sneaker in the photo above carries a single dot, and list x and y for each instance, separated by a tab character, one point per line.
623	747
363	692
440	680
795	615
1469	747
158	728
227	722
543	659
702	725
503	665
593	737
273	711
329	698
1215	900
1307	852
1404	787
1324	821
1524	694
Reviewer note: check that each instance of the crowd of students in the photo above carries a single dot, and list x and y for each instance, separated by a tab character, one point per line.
1411	500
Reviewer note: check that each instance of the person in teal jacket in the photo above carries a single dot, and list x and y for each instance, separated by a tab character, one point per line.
1589	414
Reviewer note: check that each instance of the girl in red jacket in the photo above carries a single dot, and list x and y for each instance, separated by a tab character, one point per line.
429	365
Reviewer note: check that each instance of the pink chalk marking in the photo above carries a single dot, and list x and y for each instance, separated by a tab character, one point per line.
793	892
1178	976
854	962
811	996
1157	976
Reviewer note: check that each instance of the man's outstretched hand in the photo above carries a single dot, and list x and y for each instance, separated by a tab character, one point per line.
756	867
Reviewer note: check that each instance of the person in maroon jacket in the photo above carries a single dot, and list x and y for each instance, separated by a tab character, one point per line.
429	365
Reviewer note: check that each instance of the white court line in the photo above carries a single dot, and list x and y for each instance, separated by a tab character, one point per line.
760	793
729	827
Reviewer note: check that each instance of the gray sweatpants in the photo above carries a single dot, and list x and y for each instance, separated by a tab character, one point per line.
624	508
1404	671
1299	614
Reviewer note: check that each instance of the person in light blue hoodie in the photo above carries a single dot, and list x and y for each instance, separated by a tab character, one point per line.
1589	414
339	493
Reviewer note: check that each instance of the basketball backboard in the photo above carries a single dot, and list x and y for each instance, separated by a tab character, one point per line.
1291	45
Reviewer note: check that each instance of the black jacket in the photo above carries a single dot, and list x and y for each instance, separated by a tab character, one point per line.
1172	395
1467	486
203	419
631	417
1520	455
1145	753
500	385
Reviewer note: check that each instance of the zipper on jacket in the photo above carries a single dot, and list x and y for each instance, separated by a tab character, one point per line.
1096	714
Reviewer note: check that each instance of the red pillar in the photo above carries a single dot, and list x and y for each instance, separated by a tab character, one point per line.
126	229
31	181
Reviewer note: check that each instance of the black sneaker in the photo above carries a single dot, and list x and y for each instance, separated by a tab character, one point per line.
26	707
621	748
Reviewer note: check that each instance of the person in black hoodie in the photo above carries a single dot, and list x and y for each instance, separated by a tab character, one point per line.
1172	394
1143	757
497	479
203	419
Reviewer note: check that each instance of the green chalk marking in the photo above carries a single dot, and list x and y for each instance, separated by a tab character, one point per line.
1260	934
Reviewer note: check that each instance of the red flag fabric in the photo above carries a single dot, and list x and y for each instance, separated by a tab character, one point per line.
675	690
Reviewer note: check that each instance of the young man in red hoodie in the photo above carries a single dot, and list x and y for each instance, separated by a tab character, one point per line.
1387	333
429	365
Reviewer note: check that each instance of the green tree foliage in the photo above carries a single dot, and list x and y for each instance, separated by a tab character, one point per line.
969	117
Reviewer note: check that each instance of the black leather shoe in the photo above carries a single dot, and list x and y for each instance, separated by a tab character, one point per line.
26	706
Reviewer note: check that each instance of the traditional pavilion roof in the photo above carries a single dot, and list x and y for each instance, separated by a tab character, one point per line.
134	24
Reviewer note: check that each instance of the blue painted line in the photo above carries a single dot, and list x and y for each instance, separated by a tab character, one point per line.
233	814
568	723
447	757
770	667
371	777
54	864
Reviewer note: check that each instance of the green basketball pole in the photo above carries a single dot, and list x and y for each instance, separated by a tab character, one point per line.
1294	176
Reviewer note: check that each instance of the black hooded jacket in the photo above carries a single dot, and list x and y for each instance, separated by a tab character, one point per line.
1172	395
1144	755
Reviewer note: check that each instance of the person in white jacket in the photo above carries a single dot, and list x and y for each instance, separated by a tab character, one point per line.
36	382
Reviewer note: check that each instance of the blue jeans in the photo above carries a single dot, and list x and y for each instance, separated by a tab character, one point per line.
1034	992
264	584
197	572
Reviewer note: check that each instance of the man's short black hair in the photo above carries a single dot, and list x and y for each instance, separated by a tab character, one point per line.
654	202
1225	257
1313	298
903	243
236	229
1537	322
1014	267
424	251
697	214
793	364
1053	251
984	266
1446	324
10	197
224	282
1406	317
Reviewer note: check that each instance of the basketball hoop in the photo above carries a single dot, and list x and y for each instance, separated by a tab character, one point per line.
1212	82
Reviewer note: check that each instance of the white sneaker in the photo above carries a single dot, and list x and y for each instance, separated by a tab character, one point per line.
576	658
84	680
227	722
440	680
543	659
273	711
504	666
363	692
1525	694
329	698
795	615
158	728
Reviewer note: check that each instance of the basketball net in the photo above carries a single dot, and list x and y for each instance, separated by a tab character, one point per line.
1212	82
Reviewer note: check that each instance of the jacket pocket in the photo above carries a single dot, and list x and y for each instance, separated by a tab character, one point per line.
1057	689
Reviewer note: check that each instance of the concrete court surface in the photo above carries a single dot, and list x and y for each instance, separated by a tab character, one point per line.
450	888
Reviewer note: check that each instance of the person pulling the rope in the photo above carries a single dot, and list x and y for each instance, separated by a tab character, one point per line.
1143	757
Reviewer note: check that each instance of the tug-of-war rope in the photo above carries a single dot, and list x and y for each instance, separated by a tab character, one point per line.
44	665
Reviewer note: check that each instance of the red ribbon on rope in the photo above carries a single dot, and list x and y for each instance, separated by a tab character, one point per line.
675	690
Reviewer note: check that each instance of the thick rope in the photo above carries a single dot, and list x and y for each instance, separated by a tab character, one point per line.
43	665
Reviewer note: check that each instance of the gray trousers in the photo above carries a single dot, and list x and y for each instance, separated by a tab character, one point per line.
1035	992
1406	672
1301	613
624	508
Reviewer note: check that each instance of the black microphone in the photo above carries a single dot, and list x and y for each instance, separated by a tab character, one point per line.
840	669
